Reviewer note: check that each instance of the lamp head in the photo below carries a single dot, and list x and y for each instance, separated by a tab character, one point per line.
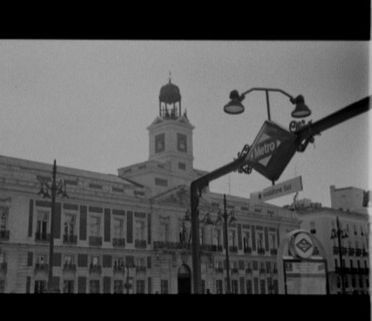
301	110
234	106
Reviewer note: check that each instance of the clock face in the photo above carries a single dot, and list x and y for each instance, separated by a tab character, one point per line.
159	143
182	142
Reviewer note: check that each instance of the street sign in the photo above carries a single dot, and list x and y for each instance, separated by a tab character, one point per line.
287	187
271	150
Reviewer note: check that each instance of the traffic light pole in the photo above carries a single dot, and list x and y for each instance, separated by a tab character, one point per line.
304	136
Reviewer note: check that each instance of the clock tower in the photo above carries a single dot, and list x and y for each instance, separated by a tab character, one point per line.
170	134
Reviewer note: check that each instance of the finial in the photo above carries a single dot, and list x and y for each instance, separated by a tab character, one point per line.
170	76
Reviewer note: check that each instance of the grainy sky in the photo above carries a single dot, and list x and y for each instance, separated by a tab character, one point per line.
88	103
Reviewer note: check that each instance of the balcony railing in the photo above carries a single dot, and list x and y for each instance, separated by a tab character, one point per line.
273	251
3	267
95	241
261	251
248	250
234	270
262	271
248	271
351	251
4	235
118	242
69	239
216	248
42	237
358	252
170	245
69	267
140	269
140	244
364	252
233	249
219	270
95	269
41	267
119	268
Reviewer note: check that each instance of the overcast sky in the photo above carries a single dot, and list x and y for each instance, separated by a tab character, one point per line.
88	103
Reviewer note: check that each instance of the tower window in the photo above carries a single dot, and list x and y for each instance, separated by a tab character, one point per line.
182	166
182	142
159	143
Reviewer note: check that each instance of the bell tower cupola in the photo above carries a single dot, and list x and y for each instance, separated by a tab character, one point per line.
170	134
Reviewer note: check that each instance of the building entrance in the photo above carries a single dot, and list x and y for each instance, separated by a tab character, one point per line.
184	279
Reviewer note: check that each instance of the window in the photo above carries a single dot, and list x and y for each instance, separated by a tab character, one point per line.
42	224
68	259
232	237
68	286
346	281
217	237
164	286
249	286
234	286
355	230
140	230
260	240
312	228
353	281
336	263
118	227
202	286
246	240
164	230
2	286
94	286
69	225
255	284
263	286
159	143
338	281
161	182
3	218
94	261
182	166
140	262
182	142
118	286
40	286
219	289
360	281
95	225
272	241
140	285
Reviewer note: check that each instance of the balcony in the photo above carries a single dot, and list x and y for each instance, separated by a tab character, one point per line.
119	267
141	269
41	267
140	244
95	269
351	251
261	251
234	271
335	250
275	270
233	249
4	235
170	245
42	237
95	241
69	239
3	267
273	251
118	242
343	250
364	252
358	252
219	270
262	271
69	267
248	250
248	271
216	248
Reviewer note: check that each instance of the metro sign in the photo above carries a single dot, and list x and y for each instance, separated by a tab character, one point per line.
272	150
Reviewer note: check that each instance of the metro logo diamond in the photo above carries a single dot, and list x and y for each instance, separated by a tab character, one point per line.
304	245
272	150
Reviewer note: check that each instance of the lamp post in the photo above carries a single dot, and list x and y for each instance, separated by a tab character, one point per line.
54	189
225	217
340	234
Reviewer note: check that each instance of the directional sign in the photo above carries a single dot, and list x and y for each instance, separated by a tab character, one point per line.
272	150
284	188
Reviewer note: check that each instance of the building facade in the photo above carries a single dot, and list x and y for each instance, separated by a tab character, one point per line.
130	233
354	244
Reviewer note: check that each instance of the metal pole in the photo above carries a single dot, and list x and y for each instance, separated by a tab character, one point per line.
340	256
228	288
195	246
268	104
51	237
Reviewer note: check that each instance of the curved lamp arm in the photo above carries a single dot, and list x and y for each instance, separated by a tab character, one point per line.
268	89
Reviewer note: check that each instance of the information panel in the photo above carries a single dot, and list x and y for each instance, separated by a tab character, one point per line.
305	277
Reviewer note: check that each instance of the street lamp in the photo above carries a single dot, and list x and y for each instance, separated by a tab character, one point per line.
235	106
340	234
227	218
51	191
